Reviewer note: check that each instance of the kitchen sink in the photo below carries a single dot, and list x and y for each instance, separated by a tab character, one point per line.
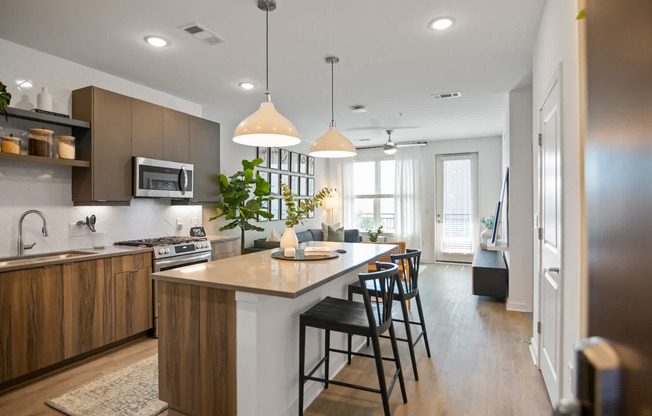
42	258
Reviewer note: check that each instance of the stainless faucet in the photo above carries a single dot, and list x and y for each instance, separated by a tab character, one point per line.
44	230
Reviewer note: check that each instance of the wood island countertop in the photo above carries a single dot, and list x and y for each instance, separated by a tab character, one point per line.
261	274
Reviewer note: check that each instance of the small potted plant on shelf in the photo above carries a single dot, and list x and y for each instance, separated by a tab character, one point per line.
241	204
485	235
5	99
373	235
297	212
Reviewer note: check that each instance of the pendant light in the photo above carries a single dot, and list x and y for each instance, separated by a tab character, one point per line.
266	127
389	148
332	144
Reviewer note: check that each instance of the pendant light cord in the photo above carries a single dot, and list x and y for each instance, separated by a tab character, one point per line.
267	52
332	94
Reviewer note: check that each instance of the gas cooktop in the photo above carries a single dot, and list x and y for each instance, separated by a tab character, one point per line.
161	241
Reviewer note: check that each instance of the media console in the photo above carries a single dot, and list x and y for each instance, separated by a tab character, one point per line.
489	274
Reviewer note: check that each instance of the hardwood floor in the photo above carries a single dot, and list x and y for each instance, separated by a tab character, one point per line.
479	365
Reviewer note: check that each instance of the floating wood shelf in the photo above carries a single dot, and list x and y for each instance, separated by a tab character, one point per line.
45	160
45	118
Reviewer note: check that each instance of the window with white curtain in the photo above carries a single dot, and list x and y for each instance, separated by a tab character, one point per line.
373	198
457	206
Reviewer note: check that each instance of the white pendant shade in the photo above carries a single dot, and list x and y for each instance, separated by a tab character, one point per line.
332	145
266	128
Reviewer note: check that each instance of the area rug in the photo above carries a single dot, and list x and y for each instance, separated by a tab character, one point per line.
131	391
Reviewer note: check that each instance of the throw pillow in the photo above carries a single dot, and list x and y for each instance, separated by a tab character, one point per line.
336	235
274	237
324	229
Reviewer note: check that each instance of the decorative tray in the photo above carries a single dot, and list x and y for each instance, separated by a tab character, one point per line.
298	256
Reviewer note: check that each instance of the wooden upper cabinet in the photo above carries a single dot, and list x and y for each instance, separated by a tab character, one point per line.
205	156
109	178
146	129
175	136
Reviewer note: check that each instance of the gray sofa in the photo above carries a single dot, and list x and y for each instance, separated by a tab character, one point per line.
350	236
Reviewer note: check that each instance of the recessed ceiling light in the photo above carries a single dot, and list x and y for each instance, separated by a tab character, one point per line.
24	83
359	109
156	41
246	85
441	23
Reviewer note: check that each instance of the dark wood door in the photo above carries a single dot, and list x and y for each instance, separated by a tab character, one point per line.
205	156
146	129
175	136
88	306
111	162
31	315
133	302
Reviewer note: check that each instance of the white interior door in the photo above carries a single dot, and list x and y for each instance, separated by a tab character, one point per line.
456	233
550	284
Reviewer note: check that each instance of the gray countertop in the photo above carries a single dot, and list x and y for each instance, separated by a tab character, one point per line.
50	259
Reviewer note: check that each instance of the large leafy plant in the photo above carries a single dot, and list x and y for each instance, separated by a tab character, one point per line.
298	211
242	199
5	99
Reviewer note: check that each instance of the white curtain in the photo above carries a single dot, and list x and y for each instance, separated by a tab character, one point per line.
342	180
408	192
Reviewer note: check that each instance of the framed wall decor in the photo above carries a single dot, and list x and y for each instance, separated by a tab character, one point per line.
294	162
263	153
311	214
263	174
303	186
274	181
274	158
295	185
311	165
303	164
264	207
311	186
285	179
284	210
285	159
274	209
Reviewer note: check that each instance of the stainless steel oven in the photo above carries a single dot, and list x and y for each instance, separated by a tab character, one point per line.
162	179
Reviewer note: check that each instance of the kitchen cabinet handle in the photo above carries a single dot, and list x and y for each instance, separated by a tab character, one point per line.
183	185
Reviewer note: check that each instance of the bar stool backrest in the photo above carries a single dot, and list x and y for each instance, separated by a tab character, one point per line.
378	295
409	263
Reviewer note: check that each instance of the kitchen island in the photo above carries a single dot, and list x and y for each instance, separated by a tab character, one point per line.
229	330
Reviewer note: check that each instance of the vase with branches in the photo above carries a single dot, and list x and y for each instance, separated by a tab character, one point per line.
297	212
242	199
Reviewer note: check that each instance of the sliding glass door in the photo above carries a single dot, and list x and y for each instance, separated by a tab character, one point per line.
456	233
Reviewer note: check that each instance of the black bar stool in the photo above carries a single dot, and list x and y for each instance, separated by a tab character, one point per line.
371	319
407	288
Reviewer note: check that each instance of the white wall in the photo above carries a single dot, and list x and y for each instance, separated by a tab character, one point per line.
557	42
231	156
48	188
517	151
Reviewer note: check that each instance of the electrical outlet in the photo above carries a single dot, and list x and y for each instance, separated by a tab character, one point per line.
75	230
179	224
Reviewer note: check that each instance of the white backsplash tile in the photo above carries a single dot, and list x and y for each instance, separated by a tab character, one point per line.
48	189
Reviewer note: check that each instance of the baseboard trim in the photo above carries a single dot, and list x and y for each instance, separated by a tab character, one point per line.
517	306
533	353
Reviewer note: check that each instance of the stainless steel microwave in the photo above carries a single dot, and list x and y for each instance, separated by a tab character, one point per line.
162	179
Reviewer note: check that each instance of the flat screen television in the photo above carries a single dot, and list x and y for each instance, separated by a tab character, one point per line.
500	207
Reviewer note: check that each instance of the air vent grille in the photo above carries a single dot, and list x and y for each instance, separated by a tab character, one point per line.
446	95
202	34
364	140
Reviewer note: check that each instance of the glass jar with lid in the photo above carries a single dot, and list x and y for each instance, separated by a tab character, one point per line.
40	142
66	147
10	144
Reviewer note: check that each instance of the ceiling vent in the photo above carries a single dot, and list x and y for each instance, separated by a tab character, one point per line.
363	140
202	34
446	95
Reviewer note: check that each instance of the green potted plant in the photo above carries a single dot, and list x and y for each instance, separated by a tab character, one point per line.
242	197
297	212
5	99
486	234
373	235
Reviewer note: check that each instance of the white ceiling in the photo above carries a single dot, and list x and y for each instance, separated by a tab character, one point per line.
390	61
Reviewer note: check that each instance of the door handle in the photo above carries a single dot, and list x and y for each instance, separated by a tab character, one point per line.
183	185
552	269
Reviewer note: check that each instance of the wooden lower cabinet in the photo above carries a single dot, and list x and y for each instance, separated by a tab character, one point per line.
88	307
49	314
224	249
31	316
133	302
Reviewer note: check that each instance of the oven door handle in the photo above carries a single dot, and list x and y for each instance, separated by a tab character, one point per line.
173	262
